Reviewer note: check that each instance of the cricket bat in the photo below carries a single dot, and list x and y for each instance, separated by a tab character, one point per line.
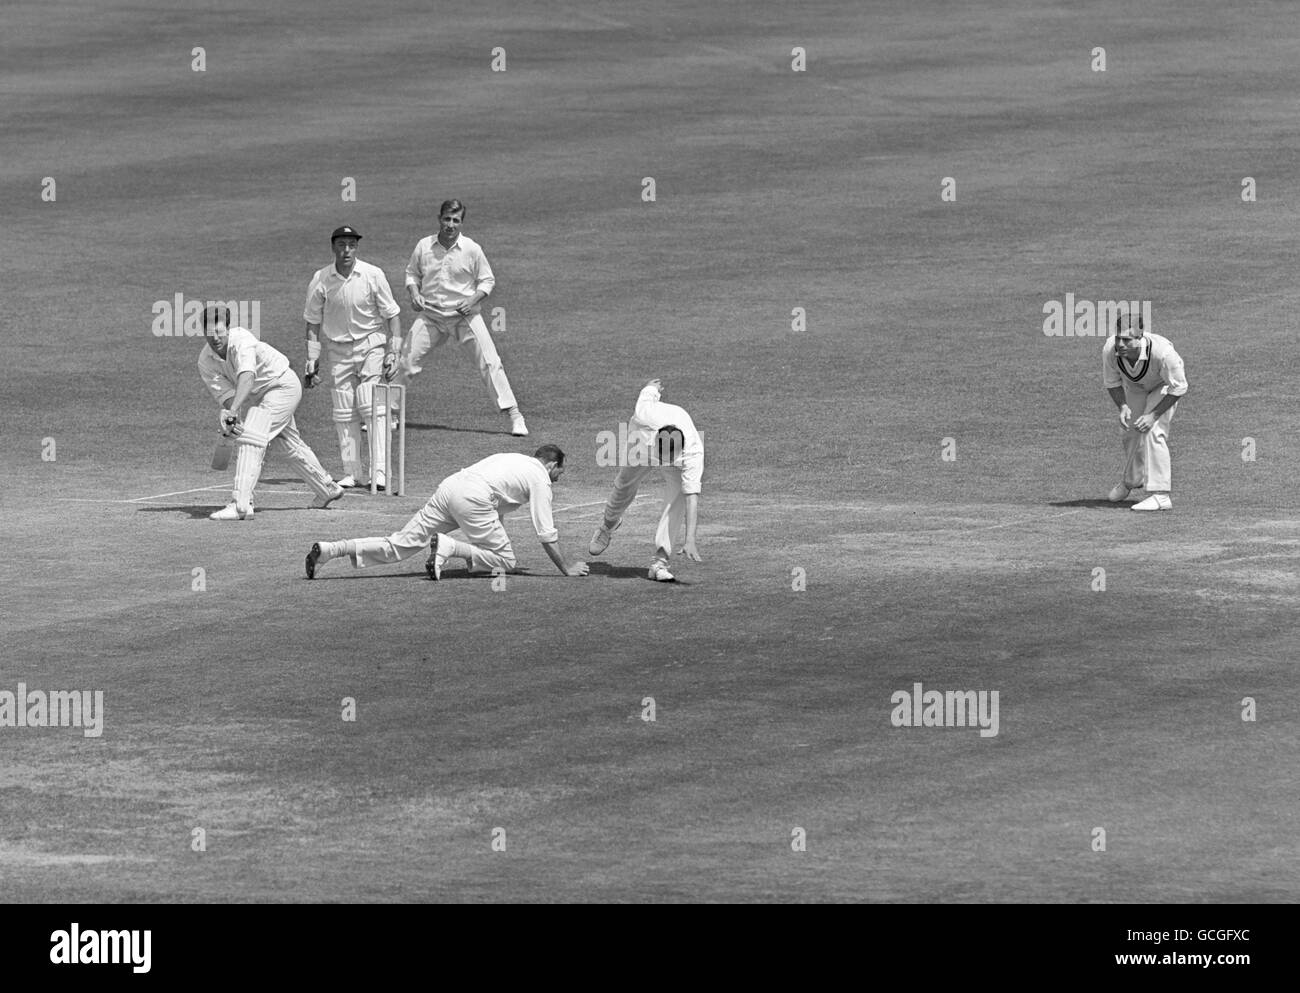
221	454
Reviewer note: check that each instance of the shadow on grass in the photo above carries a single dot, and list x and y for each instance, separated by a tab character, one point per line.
1095	504
342	569
617	571
448	427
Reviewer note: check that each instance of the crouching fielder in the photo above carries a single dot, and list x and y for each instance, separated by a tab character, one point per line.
474	500
1144	376
663	436
240	370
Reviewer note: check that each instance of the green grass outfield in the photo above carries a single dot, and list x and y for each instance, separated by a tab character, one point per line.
521	708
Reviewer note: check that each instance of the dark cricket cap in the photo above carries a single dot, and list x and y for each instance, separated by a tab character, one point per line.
346	232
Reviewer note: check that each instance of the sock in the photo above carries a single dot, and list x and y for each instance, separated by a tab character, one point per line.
460	549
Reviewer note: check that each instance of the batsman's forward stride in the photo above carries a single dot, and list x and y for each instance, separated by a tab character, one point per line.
241	371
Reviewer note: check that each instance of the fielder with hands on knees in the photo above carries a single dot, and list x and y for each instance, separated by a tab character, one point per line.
1144	376
350	304
660	436
474	501
447	279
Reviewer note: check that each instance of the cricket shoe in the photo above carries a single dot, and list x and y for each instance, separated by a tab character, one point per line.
517	426
348	482
230	512
1120	492
659	572
1156	501
321	502
438	555
313	558
600	540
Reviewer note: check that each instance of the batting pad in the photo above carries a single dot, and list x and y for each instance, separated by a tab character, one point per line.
366	400
248	467
257	429
343	405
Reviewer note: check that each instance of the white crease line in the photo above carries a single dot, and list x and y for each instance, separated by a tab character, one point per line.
159	496
594	503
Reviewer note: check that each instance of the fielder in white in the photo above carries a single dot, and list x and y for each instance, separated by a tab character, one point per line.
660	436
447	278
1143	374
474	500
349	303
243	373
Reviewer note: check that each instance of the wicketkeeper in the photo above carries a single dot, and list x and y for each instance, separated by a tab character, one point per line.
350	302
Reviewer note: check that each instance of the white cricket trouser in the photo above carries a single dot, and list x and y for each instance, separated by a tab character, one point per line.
673	518
1146	456
462	501
431	330
268	422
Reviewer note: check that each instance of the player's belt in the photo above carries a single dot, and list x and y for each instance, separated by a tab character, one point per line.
1141	373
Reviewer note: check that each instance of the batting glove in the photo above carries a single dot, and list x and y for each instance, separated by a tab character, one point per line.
390	365
229	422
311	373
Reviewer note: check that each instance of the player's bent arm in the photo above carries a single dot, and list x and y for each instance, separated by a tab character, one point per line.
572	569
243	390
1166	401
1117	394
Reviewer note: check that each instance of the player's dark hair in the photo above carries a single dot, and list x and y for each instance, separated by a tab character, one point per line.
1124	322
669	438
452	206
550	453
219	311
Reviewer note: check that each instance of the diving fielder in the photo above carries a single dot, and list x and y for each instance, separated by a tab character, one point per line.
1143	373
241	371
350	302
660	436
474	500
446	279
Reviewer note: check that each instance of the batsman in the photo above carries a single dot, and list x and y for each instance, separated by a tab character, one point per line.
247	375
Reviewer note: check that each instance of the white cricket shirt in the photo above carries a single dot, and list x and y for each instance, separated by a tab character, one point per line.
447	277
349	308
515	479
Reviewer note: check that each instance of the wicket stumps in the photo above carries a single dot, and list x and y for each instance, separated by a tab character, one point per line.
383	400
